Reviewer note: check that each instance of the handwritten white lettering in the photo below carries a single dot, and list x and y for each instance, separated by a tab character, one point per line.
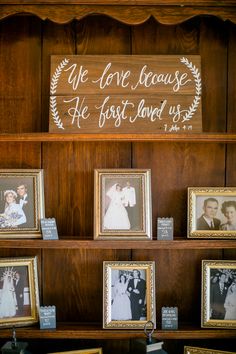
118	78
148	112
79	111
148	78
115	112
77	78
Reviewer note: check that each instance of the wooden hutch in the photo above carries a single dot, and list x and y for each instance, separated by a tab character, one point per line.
70	269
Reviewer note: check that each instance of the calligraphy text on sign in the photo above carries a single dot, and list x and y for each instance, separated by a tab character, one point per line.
136	94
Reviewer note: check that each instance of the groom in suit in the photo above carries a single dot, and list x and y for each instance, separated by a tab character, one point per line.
218	294
26	204
137	291
19	291
208	221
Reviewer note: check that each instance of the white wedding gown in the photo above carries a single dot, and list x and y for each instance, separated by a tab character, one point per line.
121	308
116	216
230	306
8	300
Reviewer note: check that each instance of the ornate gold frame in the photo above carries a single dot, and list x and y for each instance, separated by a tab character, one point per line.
83	351
142	177
206	321
218	193
31	264
195	350
149	268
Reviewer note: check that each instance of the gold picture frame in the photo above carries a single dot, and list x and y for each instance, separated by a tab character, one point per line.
196	350
122	204
128	294
21	203
211	212
218	294
19	293
82	351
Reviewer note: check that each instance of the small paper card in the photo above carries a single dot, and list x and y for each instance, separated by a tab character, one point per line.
49	229
165	228
47	317
169	317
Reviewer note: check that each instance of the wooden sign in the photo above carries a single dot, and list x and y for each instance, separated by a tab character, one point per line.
125	94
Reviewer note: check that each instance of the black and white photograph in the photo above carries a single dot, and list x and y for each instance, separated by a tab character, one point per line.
219	293
122	204
21	203
18	291
212	212
128	294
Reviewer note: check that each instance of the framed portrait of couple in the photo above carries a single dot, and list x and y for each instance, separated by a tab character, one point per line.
21	203
128	294
212	212
195	350
122	205
219	294
19	296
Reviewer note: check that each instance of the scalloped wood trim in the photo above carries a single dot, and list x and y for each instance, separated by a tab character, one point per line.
129	14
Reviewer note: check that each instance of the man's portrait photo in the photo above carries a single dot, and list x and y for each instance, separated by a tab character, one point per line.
212	213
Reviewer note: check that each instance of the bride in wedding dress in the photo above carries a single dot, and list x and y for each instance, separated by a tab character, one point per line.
116	216
121	307
8	299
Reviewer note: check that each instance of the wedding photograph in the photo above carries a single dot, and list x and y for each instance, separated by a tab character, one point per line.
122	207
219	294
129	295
21	203
19	298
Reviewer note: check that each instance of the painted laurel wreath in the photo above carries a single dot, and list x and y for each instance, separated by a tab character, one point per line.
194	70
53	89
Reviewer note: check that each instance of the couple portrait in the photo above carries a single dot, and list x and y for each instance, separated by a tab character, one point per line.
13	302
223	294
128	295
216	213
121	204
16	207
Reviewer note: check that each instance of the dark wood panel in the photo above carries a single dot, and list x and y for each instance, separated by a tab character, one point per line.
178	280
174	168
76	288
69	190
230	166
57	39
231	78
20	75
20	155
102	35
213	51
175	39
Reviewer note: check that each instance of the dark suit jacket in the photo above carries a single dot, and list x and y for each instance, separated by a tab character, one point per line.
217	300
203	225
28	209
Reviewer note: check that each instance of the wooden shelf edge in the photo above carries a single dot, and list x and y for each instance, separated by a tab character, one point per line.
152	137
169	14
80	331
181	244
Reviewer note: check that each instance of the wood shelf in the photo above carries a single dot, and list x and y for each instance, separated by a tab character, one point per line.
151	137
110	244
87	331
